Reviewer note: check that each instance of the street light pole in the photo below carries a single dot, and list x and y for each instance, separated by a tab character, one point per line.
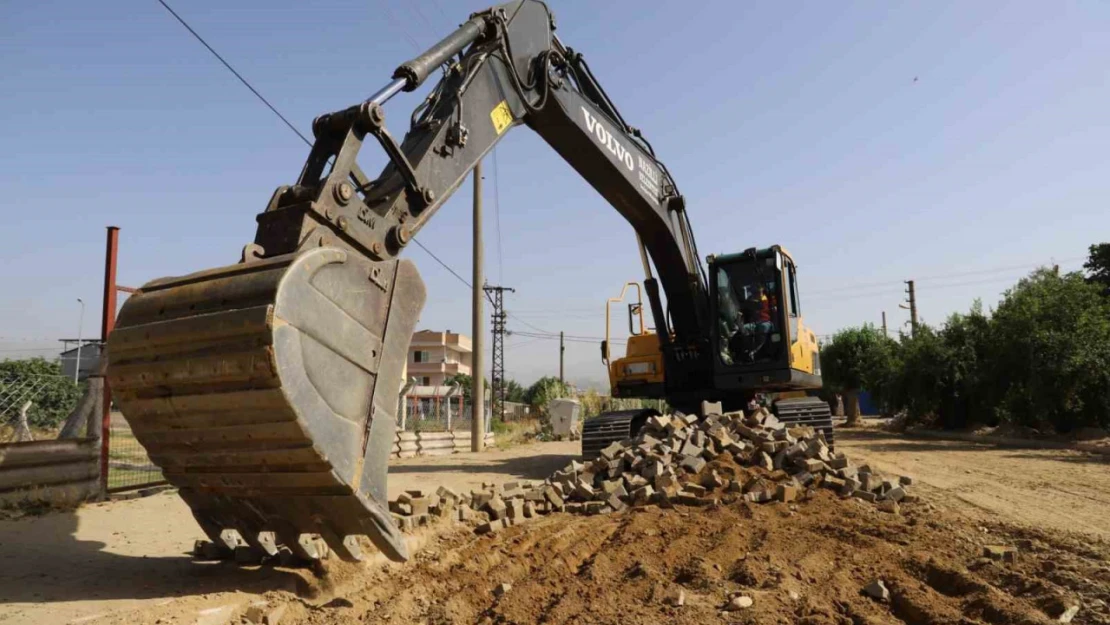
80	323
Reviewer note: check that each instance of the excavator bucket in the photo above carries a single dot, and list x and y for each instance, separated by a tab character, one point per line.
267	392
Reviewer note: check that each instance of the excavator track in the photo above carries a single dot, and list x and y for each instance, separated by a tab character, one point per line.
811	411
267	391
612	427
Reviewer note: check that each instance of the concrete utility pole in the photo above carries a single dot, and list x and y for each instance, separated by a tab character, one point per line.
477	394
913	307
562	350
884	324
80	324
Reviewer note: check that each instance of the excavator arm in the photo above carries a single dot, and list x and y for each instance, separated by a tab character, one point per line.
267	390
504	67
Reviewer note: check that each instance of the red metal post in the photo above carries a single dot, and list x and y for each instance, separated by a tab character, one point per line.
107	322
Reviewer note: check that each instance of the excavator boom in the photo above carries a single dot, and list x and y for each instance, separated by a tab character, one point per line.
267	390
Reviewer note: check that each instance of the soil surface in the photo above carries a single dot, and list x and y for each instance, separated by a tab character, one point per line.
125	562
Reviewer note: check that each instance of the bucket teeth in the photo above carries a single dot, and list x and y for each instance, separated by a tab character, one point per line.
267	393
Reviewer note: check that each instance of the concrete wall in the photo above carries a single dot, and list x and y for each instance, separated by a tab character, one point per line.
412	444
60	473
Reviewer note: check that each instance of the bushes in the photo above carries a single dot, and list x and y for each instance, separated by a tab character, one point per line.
544	390
1042	360
40	381
943	374
1051	342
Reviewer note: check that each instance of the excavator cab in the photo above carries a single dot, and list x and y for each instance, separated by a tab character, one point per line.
760	339
760	342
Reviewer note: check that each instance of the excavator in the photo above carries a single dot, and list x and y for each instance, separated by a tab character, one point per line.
267	390
764	352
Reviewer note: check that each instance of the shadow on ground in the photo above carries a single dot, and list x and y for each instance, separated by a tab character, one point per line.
42	560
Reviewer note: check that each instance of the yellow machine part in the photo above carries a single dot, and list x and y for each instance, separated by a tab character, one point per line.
642	364
803	350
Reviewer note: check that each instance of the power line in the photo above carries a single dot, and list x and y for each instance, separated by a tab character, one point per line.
439	8
415	6
286	120
509	346
233	71
396	22
959	274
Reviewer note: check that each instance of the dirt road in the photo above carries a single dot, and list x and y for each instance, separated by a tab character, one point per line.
126	562
1043	488
119	557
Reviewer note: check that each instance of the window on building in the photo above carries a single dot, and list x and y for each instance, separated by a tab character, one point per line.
426	381
421	355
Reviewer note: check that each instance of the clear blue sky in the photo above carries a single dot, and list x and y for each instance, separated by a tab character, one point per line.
799	124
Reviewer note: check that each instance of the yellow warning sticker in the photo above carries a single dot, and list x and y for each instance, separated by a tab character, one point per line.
501	117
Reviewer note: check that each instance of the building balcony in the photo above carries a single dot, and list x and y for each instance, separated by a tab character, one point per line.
447	368
454	342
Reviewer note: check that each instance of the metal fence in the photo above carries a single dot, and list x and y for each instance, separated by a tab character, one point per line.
437	414
18	395
129	466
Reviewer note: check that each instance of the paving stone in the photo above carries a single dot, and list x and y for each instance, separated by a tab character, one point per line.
877	590
693	464
490	527
515	509
888	505
497	508
446	492
739	602
642	495
420	505
1068	614
786	493
1000	552
866	495
695	489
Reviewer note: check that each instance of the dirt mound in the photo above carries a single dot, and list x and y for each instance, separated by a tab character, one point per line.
799	563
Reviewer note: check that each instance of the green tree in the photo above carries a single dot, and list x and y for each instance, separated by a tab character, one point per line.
1051	351
544	390
946	374
857	359
513	391
1098	266
40	381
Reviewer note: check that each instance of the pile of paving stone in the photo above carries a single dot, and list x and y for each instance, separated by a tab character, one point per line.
669	463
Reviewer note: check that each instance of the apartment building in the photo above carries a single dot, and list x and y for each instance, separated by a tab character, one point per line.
435	356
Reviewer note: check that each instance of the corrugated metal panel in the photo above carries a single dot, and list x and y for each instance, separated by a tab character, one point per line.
55	472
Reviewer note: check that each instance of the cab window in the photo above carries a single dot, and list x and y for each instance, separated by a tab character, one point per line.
793	306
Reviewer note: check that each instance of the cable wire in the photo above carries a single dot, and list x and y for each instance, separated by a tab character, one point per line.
263	99
233	71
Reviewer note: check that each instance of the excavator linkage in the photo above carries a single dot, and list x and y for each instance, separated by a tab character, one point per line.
267	392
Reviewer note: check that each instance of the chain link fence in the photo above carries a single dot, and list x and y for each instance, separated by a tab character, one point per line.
437	414
28	400
129	466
